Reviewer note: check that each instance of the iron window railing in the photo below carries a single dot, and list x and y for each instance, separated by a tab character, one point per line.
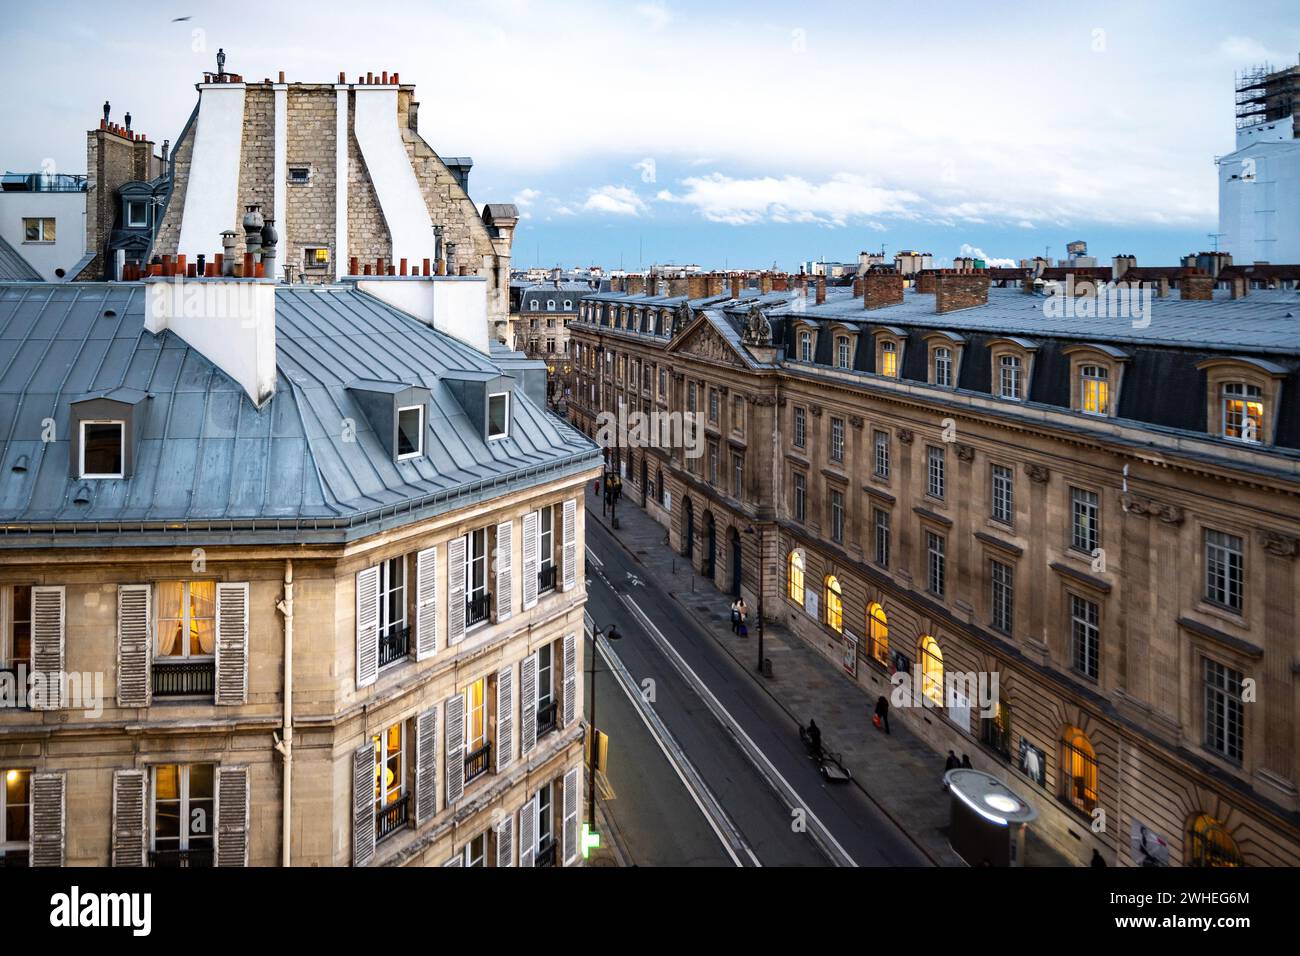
547	717
1079	778
477	761
394	643
184	679
546	855
392	817
194	857
13	859
477	608
546	579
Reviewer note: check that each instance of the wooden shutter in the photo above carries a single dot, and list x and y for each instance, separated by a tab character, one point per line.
505	584
363	803
569	828
134	645
233	799
47	645
232	644
505	840
455	591
532	528
367	627
457	860
570	545
528	833
454	733
426	765
129	806
49	818
570	678
426	603
528	704
503	751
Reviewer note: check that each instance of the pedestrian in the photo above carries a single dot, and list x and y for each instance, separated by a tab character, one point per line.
815	739
965	762
952	763
744	614
882	713
1097	859
735	616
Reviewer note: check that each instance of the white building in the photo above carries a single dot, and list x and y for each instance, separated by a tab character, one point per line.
44	218
1259	195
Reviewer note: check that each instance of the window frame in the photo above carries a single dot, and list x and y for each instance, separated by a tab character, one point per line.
936	563
81	451
1085	635
184	797
1085	502
1002	477
41	230
8	844
505	418
419	448
1208	590
185	621
936	472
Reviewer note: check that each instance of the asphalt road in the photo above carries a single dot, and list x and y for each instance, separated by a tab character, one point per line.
775	808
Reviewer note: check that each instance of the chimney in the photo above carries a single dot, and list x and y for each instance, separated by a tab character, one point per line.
677	285
780	283
821	290
735	286
634	285
616	284
857	287
764	283
960	290
880	289
1120	265
925	281
1196	286
229	239
1240	287
697	286
270	239
714	284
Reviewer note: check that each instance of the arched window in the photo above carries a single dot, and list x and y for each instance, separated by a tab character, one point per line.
805	347
1009	380
568	305
834	603
1243	412
878	629
932	670
794	578
1094	389
532	304
1078	770
842	352
943	367
1208	844
889	359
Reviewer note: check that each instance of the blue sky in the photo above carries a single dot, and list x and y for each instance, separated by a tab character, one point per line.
727	134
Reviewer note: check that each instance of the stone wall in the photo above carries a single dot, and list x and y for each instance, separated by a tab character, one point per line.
169	233
309	207
256	164
964	290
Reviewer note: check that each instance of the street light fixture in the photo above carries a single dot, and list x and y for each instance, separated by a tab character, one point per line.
758	536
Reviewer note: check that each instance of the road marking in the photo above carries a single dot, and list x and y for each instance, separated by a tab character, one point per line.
820	833
591	556
713	812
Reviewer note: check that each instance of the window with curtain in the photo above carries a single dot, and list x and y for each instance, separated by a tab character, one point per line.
187	613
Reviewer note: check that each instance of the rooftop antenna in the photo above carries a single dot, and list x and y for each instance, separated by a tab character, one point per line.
1215	237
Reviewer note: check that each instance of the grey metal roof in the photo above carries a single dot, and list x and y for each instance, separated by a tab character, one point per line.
1263	321
13	267
206	454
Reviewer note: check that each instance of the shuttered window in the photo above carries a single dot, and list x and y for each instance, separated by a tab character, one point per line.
570	679
569	824
528	704
47	646
181	815
234	791
232	644
503	750
426	765
426	603
134	683
528	834
569	545
367	627
455	591
15	817
504	568
454	747
130	807
363	804
531	550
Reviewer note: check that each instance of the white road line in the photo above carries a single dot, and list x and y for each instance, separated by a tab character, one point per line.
591	556
819	831
676	759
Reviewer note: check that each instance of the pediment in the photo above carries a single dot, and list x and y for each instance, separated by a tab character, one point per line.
702	340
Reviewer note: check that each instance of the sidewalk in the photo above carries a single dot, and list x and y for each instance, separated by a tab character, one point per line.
898	772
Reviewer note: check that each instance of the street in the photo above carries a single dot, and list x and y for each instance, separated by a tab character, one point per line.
743	790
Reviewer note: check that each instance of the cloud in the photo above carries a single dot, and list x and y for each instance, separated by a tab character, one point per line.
526	197
658	15
975	252
788	199
615	200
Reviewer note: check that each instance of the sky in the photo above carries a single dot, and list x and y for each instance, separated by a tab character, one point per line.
751	134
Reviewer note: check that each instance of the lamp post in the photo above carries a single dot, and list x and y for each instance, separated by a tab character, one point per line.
758	537
611	634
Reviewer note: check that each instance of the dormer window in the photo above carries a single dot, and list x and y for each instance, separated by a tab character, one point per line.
1010	378
103	449
1243	397
943	367
1094	390
805	346
889	359
410	432
1243	412
843	352
498	422
137	214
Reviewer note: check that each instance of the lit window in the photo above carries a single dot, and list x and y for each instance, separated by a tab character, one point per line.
410	431
932	670
15	818
878	631
38	230
889	359
1208	844
1094	389
103	449
943	367
1009	378
794	578
187	619
476	726
390	780
1243	412
316	257
1078	770
182	815
498	415
834	604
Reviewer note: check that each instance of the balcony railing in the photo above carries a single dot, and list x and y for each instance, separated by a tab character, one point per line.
476	762
546	853
195	856
392	817
394	644
546	579
477	608
184	678
13	859
546	717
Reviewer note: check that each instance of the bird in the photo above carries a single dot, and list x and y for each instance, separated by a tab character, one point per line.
179	19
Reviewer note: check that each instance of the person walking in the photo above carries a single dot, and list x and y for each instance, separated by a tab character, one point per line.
882	713
952	763
815	739
735	616
744	617
965	762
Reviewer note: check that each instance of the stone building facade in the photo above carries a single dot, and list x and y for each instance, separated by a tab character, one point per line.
1103	513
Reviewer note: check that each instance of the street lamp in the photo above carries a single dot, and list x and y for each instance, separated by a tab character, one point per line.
610	634
758	536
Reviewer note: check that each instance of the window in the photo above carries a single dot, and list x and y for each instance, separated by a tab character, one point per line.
103	449
935	467
477	599
299	175
932	670
943	367
1002	484
1208	844
568	305
880	519
834	604
878	632
837	439
476	728
1085	520
393	632
137	214
1224	710
498	415
1224	570
546	550
1094	389
546	701
800	497
713	405
837	517
934	548
889	359
881	454
390	780
800	427
16	615
1002	596
1243	412
1085	636
15	817
737	476
713	463
1009	377
843	352
794	578
691	397
187	612
476	850
182	811
738	413
316	258
533	305
545	819
1078	771
663	383
996	730
550	305
805	347
410	432
38	230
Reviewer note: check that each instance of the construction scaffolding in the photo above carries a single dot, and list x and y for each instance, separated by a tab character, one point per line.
1265	94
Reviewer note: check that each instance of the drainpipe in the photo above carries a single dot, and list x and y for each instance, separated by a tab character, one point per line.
285	744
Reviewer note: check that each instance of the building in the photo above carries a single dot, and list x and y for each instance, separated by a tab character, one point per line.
541	328
1259	181
952	482
289	574
43	219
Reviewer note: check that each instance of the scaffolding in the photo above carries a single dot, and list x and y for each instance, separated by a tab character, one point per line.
1265	94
